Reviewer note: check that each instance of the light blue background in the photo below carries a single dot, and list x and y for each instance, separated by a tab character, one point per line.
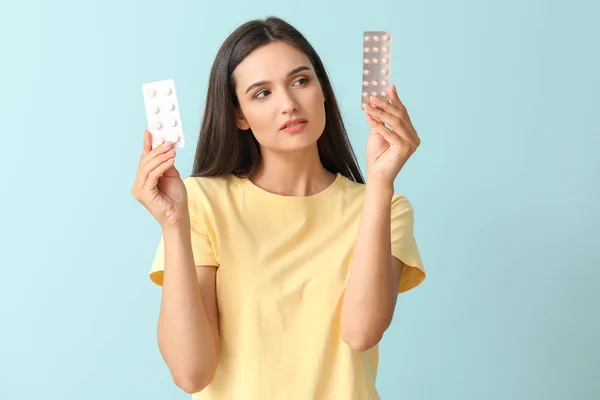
503	93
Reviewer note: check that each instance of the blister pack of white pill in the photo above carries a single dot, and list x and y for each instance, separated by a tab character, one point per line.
377	65
162	112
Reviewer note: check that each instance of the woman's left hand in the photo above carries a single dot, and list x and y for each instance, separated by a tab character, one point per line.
389	147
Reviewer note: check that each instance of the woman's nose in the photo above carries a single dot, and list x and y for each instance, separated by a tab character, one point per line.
290	104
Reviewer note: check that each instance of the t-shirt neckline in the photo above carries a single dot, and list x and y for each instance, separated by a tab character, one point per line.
279	197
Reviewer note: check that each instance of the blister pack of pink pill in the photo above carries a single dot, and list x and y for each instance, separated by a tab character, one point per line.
377	65
162	113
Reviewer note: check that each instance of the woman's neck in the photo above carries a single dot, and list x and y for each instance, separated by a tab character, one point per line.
292	174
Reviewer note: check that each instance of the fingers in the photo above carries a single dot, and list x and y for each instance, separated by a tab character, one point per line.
395	115
398	131
154	159
383	115
148	175
394	107
386	106
155	173
397	103
163	148
388	135
401	109
153	164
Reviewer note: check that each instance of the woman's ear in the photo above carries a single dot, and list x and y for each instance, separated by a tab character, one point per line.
241	122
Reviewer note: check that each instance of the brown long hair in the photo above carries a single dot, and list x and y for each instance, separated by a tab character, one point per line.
222	148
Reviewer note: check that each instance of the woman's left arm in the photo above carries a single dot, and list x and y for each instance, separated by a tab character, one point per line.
371	293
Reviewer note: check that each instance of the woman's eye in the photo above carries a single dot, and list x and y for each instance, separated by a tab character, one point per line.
264	93
258	95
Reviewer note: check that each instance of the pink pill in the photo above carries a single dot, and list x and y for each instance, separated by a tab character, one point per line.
367	61
367	49
376	61
375	49
367	38
384	71
386	49
384	83
386	38
385	60
377	38
366	72
375	83
365	83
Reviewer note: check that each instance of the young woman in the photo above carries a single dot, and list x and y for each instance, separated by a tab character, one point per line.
279	266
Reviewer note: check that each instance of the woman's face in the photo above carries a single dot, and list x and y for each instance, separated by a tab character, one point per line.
275	84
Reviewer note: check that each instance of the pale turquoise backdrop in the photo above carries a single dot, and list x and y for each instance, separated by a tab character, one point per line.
505	95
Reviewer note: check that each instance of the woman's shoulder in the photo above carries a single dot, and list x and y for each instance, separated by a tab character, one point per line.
349	187
209	186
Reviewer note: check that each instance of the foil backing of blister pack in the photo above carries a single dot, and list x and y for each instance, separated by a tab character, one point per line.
377	65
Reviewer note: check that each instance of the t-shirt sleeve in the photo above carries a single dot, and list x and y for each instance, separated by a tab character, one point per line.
404	245
202	237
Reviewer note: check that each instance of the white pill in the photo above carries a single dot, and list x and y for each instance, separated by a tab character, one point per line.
154	109
168	91
171	107
156	125
172	122
150	92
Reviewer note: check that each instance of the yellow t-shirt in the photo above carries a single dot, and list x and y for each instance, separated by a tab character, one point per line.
283	263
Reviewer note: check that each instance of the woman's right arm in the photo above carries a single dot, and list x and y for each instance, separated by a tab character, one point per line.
188	324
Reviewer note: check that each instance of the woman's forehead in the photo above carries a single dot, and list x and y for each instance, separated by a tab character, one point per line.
272	61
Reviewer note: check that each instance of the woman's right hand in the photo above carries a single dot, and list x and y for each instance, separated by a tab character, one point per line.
158	185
